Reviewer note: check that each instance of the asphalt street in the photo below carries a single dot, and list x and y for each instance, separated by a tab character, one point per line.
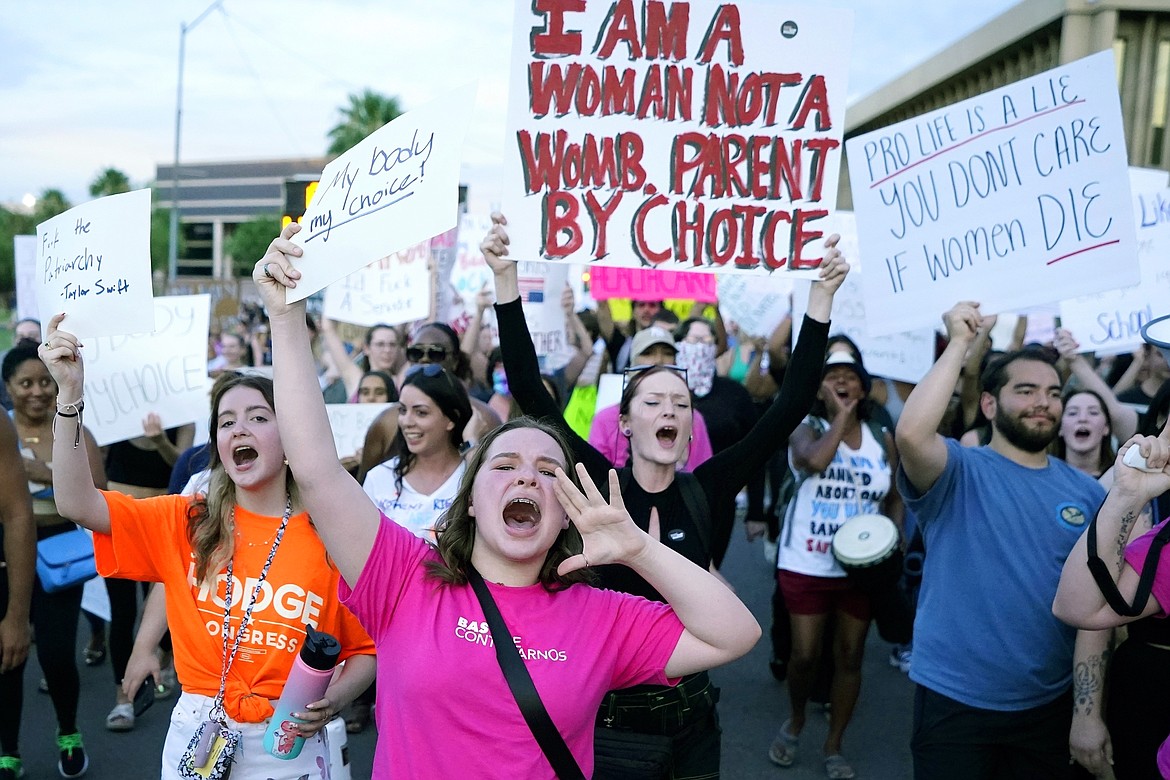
752	706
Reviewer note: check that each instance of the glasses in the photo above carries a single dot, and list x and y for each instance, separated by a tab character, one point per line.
434	354
633	371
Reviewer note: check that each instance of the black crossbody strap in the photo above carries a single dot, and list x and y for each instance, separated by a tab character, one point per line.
1104	577
516	673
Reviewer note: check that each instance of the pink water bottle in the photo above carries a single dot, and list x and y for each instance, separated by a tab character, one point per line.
307	681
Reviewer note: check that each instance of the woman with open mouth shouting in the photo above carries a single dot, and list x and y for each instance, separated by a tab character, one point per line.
243	569
656	417
519	536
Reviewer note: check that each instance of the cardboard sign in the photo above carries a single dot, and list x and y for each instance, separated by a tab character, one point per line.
24	249
350	423
1111	322
1014	198
470	273
396	188
392	290
680	136
644	284
93	262
165	372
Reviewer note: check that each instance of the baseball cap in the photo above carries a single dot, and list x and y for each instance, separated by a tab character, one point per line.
836	359
648	337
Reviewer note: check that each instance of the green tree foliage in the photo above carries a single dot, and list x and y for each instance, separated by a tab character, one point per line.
50	204
365	113
11	224
111	181
160	236
249	241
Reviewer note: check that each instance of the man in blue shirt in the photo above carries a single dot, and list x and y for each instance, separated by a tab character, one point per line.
992	664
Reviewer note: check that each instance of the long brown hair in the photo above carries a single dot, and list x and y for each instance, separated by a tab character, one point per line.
456	528
209	516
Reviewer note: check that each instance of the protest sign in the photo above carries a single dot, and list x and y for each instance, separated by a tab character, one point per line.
756	305
470	273
93	262
645	284
129	376
350	423
1111	322
396	188
1013	198
905	356
392	290
541	285
24	249
683	136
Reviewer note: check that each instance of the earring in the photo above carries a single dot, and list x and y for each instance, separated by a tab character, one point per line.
286	461
626	432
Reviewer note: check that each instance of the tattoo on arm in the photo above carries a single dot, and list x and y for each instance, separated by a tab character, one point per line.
1088	681
1123	537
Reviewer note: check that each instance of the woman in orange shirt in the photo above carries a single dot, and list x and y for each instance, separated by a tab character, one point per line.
243	568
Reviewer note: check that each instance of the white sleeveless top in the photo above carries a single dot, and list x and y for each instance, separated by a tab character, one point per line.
856	482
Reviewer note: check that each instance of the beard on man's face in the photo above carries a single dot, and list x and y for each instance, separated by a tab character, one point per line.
1028	439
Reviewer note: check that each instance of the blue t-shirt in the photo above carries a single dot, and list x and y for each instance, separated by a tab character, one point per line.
996	535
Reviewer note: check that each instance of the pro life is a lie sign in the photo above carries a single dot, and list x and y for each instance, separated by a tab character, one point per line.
1014	198
677	135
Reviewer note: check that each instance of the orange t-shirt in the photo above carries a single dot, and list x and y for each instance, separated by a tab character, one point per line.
148	541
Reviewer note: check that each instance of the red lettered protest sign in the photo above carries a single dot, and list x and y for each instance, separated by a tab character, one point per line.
696	136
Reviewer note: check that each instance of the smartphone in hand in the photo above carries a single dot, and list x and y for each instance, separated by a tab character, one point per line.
145	696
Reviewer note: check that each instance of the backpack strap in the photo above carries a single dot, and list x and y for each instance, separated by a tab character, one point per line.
694	499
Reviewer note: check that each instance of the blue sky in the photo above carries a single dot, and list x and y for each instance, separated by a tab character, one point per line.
85	86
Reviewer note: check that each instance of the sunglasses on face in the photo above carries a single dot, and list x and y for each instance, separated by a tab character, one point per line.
433	354
632	371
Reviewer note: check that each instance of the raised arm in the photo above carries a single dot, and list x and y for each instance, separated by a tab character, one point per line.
578	339
718	627
167	450
344	517
350	373
75	477
1123	417
20	545
1079	601
922	449
520	363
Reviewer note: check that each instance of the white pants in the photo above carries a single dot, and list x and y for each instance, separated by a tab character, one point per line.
252	760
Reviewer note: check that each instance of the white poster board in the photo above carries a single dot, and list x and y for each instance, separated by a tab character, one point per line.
541	285
1110	322
396	188
350	423
165	372
683	136
470	272
1017	197
756	305
24	251
392	290
93	262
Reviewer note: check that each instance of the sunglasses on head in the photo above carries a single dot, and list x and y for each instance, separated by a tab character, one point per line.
632	371
435	354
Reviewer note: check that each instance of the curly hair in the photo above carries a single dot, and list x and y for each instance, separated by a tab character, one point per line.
456	528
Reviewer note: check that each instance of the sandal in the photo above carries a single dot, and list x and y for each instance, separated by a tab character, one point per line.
837	768
783	750
357	719
121	718
94	655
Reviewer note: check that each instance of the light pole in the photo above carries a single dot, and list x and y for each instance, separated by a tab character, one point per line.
173	245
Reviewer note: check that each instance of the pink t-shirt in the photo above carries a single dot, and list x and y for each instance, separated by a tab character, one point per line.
1135	556
608	440
444	708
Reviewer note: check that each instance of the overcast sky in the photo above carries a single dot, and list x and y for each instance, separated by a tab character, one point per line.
85	86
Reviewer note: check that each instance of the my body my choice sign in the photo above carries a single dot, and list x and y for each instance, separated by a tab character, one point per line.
681	136
1014	198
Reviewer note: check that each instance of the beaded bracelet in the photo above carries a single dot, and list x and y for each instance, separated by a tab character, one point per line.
77	406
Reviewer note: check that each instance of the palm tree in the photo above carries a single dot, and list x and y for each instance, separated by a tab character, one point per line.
51	203
111	181
364	114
